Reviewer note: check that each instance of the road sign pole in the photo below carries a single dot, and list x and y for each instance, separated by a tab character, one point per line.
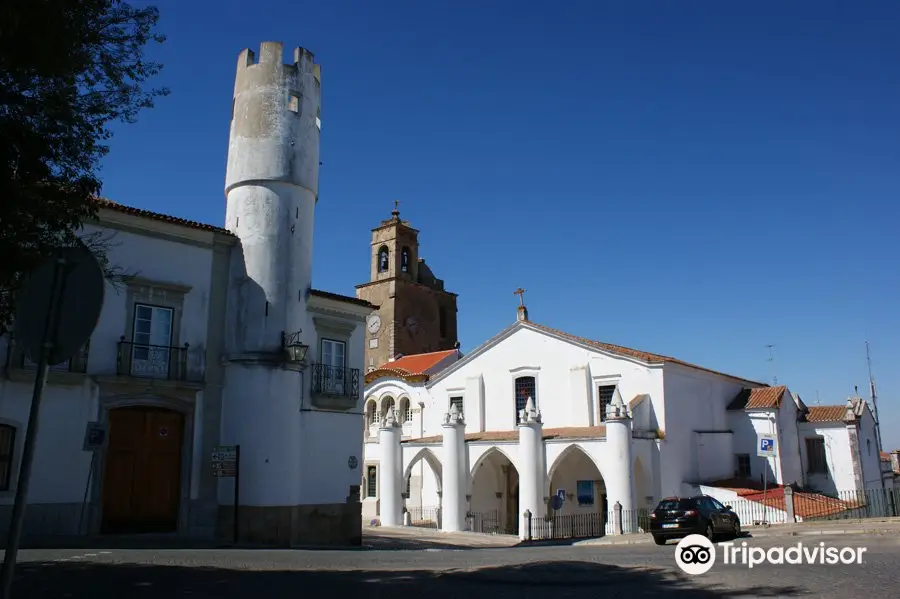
18	516
237	490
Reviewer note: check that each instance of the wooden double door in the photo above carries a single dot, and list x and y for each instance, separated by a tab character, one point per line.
142	475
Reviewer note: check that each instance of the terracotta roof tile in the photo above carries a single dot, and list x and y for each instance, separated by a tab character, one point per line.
806	504
419	363
570	432
825	414
758	398
644	356
110	205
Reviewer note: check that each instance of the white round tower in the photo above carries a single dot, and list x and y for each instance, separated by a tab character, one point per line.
271	186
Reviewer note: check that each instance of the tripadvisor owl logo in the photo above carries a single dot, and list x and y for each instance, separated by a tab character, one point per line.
695	554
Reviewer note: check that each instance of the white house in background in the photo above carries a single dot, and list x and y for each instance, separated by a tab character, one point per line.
201	348
534	413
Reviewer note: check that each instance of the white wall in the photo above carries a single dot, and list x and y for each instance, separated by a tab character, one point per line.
790	465
158	260
868	452
696	401
565	400
60	468
837	454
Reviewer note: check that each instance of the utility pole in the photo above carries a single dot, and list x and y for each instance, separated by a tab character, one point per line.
771	360
874	396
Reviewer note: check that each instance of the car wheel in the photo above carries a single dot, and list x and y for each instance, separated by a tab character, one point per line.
737	528
659	540
710	533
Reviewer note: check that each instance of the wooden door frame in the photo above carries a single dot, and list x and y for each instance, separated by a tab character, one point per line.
180	406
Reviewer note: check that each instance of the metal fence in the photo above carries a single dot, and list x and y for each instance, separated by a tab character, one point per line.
807	505
489	522
751	512
586	525
424	517
840	505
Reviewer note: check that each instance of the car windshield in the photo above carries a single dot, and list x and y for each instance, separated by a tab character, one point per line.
675	504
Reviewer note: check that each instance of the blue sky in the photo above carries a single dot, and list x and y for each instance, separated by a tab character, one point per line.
698	179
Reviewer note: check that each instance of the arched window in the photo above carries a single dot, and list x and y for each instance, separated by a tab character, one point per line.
525	388
404	260
404	413
371	416
386	404
7	447
383	255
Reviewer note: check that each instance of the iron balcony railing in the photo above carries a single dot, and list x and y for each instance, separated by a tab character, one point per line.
152	361
16	358
335	381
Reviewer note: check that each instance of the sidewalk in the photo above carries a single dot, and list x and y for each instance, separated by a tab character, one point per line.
870	526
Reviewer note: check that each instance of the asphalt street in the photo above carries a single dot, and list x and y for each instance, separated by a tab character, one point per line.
521	572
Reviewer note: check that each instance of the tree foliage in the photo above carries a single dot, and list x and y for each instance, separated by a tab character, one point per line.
69	69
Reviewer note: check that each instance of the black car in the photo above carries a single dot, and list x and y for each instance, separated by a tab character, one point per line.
678	517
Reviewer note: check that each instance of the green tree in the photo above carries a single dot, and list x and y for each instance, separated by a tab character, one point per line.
69	69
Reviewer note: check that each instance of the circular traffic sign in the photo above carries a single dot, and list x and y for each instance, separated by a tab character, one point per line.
75	277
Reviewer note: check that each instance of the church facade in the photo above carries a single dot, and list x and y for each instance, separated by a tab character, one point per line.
213	337
536	413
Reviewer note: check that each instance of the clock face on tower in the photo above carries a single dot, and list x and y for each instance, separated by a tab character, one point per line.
374	324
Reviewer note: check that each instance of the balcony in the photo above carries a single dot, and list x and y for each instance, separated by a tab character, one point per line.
72	371
158	362
334	388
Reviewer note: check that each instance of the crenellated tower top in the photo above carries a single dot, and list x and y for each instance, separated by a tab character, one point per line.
275	118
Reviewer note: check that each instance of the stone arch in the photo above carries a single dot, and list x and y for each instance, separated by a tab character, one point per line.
572	466
426	454
384	403
177	404
384	255
485	456
493	492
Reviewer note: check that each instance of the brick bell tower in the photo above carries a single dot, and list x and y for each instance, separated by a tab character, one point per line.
417	315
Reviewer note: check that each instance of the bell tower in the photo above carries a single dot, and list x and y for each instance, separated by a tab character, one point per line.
416	315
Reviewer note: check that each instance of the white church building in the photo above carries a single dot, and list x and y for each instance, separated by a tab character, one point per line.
215	338
475	442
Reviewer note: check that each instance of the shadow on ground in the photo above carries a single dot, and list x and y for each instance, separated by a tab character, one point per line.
162	542
539	579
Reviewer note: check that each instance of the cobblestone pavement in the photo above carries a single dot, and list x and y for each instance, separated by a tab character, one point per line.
519	572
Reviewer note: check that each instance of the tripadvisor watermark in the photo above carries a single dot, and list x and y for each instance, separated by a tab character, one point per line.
695	554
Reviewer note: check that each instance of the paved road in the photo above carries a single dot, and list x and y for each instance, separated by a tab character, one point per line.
609	571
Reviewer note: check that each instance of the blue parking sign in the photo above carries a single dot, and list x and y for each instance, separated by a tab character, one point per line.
766	446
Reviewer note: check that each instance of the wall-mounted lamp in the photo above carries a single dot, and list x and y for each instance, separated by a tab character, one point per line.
293	347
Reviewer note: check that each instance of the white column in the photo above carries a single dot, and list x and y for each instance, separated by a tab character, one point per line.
620	473
390	471
531	464
453	499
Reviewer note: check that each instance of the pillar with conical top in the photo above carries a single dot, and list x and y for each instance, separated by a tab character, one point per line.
531	476
453	506
390	473
619	476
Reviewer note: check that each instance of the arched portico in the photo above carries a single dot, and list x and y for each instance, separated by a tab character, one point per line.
422	487
493	491
577	478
